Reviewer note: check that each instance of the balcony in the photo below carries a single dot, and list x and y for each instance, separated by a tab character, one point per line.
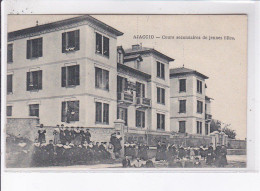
208	117
125	98
142	102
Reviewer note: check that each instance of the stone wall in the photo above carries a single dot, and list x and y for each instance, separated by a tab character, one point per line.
236	144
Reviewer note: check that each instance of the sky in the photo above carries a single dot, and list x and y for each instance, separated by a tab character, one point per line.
223	61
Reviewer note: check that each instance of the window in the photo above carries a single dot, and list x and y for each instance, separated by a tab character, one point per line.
119	58
10	53
102	45
102	78
140	89
182	126
199	86
102	117
9	111
160	121
70	76
34	48
34	110
160	95
182	87
34	80
140	118
122	84
199	127
182	106
122	114
206	128
70	111
9	83
70	41
160	70
199	106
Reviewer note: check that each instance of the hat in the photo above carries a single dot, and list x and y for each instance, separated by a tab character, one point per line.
87	129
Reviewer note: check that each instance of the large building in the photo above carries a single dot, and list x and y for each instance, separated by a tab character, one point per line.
190	107
71	72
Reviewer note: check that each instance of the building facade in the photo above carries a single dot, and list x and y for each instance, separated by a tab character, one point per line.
190	107
71	72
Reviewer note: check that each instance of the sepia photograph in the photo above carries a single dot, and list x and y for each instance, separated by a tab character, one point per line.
126	91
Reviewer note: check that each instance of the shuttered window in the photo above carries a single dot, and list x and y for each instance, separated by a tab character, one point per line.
182	106
182	85
69	111
102	45
101	78
160	95
140	119
140	89
70	41
199	86
9	83
199	127
34	110
34	80
199	106
34	48
10	53
70	76
182	126
102	113
160	70
160	121
9	110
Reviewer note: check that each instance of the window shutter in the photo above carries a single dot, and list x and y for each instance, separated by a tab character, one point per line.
158	121
28	82
63	111
125	111
106	79
77	40
9	83
163	122
163	96
40	79
138	89
106	46
77	75
143	119
63	77
63	43
158	69
162	71
143	90
28	55
158	95
39	47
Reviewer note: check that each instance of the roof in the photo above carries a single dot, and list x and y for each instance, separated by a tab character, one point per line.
133	70
145	50
133	57
58	26
182	70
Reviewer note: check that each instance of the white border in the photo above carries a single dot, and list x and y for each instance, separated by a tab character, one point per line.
136	179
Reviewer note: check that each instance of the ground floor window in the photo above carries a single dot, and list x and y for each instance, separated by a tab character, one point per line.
199	127
9	110
102	113
140	118
182	126
34	110
70	111
122	114
160	121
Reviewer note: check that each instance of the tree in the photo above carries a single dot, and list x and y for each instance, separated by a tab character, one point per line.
229	132
215	125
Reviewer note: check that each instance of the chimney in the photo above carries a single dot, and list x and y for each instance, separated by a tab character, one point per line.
136	47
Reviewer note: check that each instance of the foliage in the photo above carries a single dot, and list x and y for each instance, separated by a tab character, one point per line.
215	125
229	132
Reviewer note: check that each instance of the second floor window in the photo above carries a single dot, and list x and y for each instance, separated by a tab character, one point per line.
199	86
160	95
160	121
34	110
199	127
140	90
70	41
199	106
10	53
69	111
34	80
140	118
9	83
182	106
70	76
160	70
101	78
182	85
9	110
182	126
102	45
34	48
102	113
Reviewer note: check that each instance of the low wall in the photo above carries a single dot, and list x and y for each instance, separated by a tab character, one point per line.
236	144
236	151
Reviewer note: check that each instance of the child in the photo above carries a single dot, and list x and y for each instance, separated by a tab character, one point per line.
197	163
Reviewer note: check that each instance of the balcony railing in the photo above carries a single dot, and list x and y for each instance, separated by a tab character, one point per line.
142	101
125	97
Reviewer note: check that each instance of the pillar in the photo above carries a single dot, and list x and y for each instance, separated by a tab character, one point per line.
120	127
